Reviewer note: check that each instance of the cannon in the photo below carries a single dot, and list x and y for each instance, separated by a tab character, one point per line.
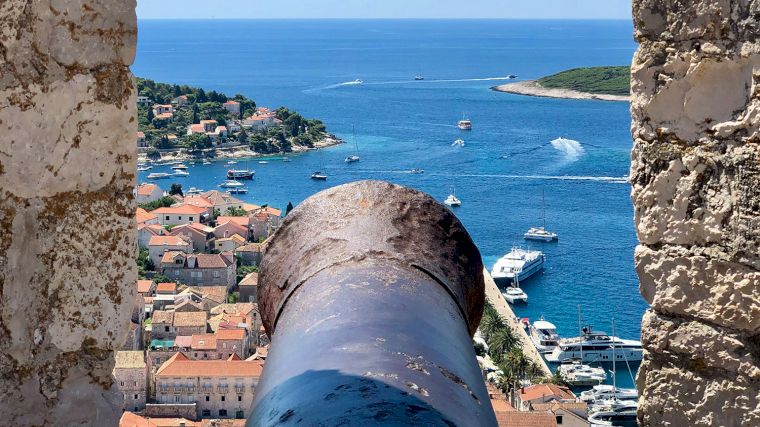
371	293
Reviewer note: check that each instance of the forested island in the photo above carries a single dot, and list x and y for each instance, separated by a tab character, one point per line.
611	83
197	122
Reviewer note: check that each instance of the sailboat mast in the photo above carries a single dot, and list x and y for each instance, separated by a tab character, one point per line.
543	205
614	364
356	144
580	330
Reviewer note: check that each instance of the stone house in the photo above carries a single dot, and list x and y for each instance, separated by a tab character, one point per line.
233	107
190	323
146	231
250	254
232	341
219	388
248	287
131	377
158	245
201	236
541	393
200	269
183	214
566	414
227	228
229	244
148	192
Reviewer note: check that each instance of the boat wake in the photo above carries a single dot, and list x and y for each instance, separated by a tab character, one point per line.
603	179
570	148
402	82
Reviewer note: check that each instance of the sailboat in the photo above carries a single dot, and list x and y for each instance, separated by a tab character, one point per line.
354	157
452	200
541	233
319	175
513	293
575	373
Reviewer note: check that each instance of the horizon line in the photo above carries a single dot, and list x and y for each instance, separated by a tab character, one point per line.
387	19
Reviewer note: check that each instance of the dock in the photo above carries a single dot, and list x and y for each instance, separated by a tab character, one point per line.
494	296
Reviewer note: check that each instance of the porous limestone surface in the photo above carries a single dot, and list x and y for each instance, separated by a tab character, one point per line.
67	232
695	173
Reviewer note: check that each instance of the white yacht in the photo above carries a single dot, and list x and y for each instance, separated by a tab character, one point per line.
452	200
144	168
158	175
231	183
206	163
181	174
608	392
179	167
544	336
354	157
513	294
319	176
417	171
616	413
596	347
194	190
237	190
519	263
465	124
458	143
577	374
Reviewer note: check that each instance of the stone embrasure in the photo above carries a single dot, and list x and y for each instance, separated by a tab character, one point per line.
67	233
696	190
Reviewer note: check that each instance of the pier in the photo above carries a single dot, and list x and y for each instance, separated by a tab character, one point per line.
493	294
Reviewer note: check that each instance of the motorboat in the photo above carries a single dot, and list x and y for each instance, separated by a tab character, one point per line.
263	162
238	190
540	234
465	124
615	413
608	392
518	264
358	81
595	346
513	294
144	168
286	159
179	167
158	175
231	183
206	163
419	78
354	157
544	336
458	143
319	176
511	76
231	162
417	171
194	190
181	174
240	174
575	373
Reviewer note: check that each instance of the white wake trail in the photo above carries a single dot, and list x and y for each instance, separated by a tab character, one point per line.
570	148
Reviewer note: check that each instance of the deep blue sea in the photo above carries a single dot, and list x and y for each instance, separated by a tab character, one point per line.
508	160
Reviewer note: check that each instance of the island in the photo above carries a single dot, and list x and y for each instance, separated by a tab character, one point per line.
601	83
180	121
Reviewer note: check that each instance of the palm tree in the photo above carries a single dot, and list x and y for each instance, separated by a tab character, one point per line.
518	362
500	343
491	322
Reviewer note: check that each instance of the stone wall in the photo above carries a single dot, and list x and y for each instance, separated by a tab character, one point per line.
696	190
67	231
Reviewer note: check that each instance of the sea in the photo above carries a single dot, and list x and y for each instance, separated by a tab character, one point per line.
524	156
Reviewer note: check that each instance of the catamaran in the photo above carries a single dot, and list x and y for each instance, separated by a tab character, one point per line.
518	263
452	200
513	294
541	233
354	157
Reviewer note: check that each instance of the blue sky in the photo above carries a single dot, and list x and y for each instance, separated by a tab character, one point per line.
299	9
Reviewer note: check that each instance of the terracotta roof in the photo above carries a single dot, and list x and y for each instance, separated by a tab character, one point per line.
234	357
164	116
169	256
236	238
180	210
501	405
251	247
190	318
212	261
271	211
252	279
203	122
538	391
171	136
217	198
230	228
161	316
188	229
526	419
184	341
197	128
180	366
129	359
146	189
230	334
231	103
140	134
144	216
162	106
239	220
144	286
167	241
130	419
196	200
166	287
203	342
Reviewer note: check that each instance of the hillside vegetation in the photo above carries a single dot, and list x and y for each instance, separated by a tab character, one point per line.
598	80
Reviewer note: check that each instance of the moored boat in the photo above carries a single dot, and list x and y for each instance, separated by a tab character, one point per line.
575	373
518	264
544	335
595	346
158	175
240	174
514	294
230	183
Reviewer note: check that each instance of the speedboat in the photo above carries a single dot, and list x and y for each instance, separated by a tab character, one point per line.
352	158
544	336
206	163
511	76
144	168
540	234
418	78
180	173
158	175
358	81
417	171
231	183
513	294
319	176
518	264
231	162
452	200
458	143
263	162
240	174
577	374
596	347
179	167
607	392
237	190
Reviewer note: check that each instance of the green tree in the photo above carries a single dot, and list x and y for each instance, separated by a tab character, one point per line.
501	343
151	116
196	112
176	189
153	153
163	202
198	141
288	208
144	263
242	136
234	211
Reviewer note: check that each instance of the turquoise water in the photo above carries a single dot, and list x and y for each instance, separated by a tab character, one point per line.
506	164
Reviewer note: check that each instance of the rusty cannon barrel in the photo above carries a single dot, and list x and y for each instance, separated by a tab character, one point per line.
371	293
